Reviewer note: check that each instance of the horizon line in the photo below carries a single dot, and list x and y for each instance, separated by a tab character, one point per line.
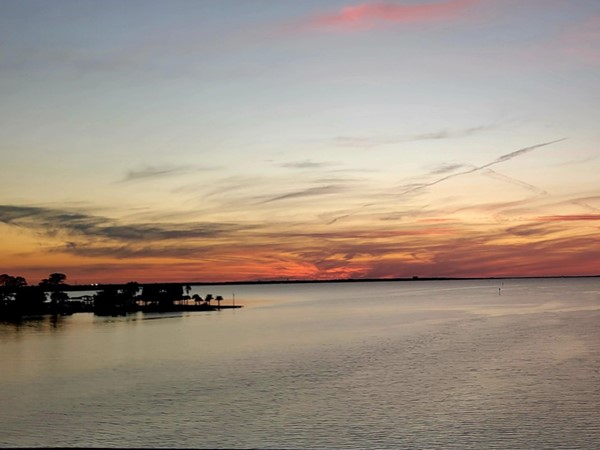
331	280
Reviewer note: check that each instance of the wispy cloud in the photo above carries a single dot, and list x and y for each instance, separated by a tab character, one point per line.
585	202
493	174
557	255
310	192
529	230
55	222
307	164
446	134
446	168
128	251
332	217
366	16
449	171
368	142
153	172
569	217
401	251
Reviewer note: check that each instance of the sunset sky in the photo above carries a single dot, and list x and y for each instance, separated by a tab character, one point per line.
243	139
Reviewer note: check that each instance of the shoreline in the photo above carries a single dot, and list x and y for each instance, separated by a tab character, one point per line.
116	312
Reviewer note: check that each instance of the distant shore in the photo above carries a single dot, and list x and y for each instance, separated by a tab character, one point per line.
95	287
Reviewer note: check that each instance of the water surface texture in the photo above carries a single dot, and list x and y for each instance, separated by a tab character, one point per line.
416	364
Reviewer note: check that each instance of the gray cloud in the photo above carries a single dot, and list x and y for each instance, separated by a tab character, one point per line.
445	168
519	152
530	230
336	216
128	251
335	219
25	215
54	221
151	172
311	192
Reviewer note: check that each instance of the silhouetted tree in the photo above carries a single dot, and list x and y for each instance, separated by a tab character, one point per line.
151	293
10	281
11	303
17	299
170	293
129	293
107	301
162	295
187	288
7	288
112	301
31	300
54	279
58	298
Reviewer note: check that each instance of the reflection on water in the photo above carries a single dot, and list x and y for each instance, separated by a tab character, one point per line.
385	365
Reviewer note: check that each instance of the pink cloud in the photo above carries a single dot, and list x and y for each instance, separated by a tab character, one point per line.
370	15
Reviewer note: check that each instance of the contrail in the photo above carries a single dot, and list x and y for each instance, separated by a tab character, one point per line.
492	173
498	160
516	153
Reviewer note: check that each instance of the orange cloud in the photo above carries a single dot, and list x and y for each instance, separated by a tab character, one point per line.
90	248
371	15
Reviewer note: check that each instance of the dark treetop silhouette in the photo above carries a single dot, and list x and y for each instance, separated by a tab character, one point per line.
18	299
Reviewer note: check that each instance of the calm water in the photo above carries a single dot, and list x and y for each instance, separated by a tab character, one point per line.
445	364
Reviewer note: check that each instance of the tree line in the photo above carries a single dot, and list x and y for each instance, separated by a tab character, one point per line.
18	298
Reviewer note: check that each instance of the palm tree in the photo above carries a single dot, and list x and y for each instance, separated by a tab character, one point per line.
187	288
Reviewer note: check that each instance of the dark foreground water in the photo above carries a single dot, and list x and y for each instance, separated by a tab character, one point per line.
445	364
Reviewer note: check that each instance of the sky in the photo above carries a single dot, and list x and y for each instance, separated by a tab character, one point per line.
276	139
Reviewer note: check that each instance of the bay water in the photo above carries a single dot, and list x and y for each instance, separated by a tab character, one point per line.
511	363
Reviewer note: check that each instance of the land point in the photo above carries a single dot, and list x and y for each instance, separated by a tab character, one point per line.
19	300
